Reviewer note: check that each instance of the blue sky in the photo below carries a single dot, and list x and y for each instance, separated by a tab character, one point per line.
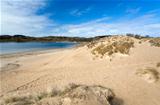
83	18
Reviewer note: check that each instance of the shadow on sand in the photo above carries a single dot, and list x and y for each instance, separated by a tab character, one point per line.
117	101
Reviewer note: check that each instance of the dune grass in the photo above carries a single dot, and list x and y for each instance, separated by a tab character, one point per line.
155	42
122	47
91	44
29	99
149	74
111	45
19	100
72	91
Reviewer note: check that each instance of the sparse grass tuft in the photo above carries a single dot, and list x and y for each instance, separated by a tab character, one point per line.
140	42
112	46
91	44
123	47
72	92
155	42
19	100
158	64
149	74
68	88
42	95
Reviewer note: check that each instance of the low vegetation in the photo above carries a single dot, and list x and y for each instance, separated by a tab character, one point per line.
155	42
91	44
72	94
148	74
158	64
137	36
111	45
19	100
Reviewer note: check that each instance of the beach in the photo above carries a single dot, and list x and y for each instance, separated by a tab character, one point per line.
34	72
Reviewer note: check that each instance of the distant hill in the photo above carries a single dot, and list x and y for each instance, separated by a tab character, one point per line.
23	38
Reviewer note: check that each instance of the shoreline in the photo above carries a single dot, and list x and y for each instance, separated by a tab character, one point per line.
8	61
38	51
24	53
33	50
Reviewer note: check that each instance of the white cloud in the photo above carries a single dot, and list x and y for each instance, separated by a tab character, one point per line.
19	17
147	24
133	10
78	12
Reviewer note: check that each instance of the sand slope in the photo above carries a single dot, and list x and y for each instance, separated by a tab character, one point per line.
38	72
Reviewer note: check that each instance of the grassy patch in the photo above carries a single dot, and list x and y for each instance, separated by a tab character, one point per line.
155	42
19	100
69	88
91	44
122	47
149	74
56	97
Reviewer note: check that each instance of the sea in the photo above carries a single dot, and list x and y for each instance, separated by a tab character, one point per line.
16	47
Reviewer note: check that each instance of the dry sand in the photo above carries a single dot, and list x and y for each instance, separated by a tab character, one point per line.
35	72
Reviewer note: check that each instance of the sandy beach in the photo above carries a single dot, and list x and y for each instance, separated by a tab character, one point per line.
38	71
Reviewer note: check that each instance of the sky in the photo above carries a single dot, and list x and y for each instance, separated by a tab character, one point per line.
82	18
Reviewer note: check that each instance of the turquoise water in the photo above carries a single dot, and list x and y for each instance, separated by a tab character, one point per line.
14	47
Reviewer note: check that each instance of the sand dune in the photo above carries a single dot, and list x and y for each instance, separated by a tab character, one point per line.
105	62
